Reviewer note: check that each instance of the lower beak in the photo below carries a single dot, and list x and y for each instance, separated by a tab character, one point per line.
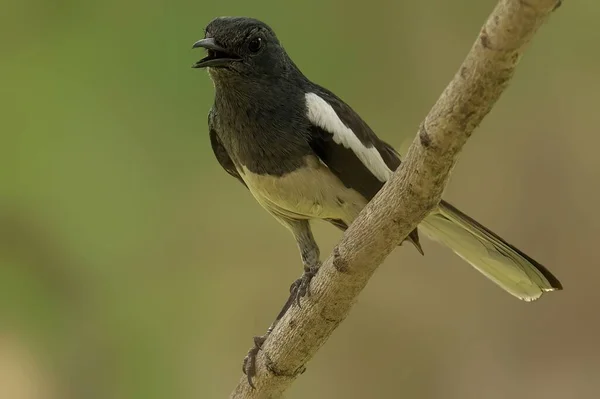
217	55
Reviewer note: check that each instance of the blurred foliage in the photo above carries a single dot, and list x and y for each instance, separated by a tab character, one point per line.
132	266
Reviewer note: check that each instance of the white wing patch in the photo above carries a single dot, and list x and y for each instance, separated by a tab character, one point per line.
324	116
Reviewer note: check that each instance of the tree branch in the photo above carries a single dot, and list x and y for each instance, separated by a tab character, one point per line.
413	191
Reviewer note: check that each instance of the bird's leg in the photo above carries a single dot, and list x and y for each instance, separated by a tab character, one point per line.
299	288
309	251
249	366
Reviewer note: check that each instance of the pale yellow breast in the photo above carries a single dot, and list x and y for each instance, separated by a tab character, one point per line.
311	192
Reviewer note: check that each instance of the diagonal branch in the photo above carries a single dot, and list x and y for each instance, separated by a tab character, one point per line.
413	191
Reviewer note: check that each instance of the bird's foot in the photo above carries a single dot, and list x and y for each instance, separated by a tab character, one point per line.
249	366
301	287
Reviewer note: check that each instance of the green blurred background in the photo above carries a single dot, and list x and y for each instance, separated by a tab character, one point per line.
132	266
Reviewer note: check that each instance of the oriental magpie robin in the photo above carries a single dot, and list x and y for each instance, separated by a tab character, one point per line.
304	154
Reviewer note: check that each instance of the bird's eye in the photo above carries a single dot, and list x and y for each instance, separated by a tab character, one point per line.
255	44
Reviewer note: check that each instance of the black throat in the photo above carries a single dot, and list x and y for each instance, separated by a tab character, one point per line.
262	121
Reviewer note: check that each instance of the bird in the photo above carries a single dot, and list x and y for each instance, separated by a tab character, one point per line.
304	154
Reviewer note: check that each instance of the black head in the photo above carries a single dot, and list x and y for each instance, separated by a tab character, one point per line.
242	46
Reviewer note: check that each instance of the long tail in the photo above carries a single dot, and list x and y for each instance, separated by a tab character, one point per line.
499	261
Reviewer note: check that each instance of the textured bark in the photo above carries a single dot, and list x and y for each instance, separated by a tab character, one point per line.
412	192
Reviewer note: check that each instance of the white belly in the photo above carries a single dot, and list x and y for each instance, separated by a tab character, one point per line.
312	192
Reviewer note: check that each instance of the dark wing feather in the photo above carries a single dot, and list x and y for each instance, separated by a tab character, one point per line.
220	151
360	128
338	223
344	163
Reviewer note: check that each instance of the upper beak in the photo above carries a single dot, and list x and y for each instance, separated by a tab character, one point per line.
217	55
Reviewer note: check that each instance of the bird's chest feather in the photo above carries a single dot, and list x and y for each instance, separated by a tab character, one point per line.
310	191
266	135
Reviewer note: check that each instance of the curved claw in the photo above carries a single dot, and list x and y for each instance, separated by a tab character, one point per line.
301	287
249	365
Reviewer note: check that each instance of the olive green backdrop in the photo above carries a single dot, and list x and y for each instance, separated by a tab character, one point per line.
132	266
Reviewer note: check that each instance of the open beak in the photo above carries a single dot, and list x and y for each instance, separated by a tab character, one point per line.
217	55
